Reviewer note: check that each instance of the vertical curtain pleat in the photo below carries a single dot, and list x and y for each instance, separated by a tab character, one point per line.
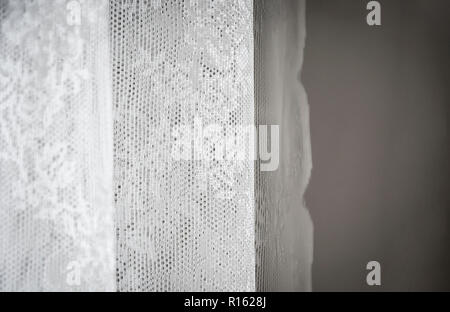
56	210
283	225
184	222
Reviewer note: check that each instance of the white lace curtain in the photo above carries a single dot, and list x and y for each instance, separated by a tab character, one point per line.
92	198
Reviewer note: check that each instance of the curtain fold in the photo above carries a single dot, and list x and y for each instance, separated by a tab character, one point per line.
184	222
284	229
56	228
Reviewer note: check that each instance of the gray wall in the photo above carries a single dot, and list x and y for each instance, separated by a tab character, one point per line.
379	109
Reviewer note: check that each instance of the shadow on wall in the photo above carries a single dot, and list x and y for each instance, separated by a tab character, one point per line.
379	104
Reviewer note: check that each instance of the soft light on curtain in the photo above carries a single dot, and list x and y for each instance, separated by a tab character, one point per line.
92	94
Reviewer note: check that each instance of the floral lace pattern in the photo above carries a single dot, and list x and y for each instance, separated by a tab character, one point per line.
181	224
55	147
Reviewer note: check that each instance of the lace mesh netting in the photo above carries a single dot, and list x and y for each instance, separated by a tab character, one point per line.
187	224
92	196
56	216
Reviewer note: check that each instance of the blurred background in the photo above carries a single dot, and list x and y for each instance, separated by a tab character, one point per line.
379	101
